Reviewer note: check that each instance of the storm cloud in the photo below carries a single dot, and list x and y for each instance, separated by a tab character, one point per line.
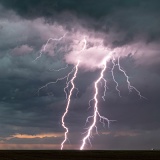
29	118
132	18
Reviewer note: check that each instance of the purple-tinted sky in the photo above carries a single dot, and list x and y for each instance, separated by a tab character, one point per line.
129	28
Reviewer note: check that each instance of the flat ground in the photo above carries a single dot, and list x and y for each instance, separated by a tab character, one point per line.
78	155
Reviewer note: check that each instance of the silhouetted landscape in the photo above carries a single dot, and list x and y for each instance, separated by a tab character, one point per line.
78	155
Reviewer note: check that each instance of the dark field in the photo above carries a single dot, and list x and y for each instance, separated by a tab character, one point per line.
78	155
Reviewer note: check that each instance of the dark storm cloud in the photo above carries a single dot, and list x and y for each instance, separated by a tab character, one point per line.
95	9
23	111
130	19
19	96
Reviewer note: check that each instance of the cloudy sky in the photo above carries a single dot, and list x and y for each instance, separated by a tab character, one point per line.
30	114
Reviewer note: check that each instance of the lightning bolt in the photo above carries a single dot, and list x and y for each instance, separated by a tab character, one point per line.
68	83
105	88
68	104
59	79
96	112
130	87
44	47
112	71
69	96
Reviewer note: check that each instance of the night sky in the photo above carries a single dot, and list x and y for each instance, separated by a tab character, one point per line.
32	120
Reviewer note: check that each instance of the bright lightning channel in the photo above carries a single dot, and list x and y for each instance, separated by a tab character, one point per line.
69	96
68	104
96	112
68	82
